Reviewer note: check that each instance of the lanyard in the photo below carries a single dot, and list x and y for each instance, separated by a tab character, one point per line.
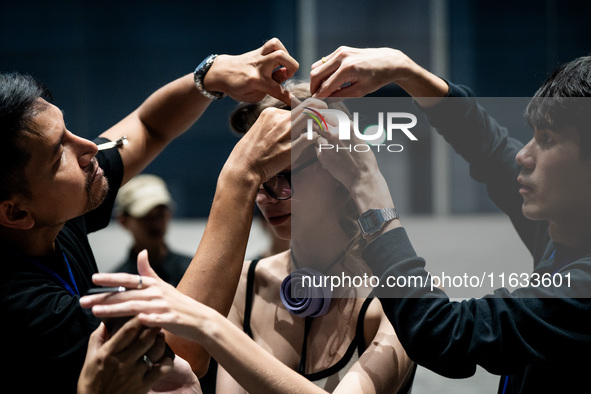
49	271
58	278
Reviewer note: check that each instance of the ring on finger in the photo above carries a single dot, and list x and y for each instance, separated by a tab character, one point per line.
148	361
140	282
324	60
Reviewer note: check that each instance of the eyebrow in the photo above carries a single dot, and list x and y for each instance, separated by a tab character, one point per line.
56	148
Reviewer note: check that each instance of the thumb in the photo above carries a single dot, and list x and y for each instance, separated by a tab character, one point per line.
98	338
278	91
143	265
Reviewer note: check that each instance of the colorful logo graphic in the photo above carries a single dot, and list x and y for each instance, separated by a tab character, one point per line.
317	117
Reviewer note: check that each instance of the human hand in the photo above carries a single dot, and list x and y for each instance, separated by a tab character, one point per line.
115	364
357	170
156	303
252	75
353	72
181	380
264	150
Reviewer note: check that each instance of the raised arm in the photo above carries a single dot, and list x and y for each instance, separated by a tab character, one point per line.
175	107
213	275
353	72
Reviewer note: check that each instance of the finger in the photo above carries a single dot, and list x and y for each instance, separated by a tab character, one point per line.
351	90
276	90
143	265
323	60
129	281
127	334
279	74
322	73
98	338
143	343
272	45
333	84
156	352
158	371
279	58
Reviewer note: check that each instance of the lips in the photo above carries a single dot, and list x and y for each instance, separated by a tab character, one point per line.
277	219
525	186
94	170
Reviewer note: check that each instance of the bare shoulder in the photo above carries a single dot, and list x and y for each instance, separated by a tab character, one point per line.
375	320
268	272
272	270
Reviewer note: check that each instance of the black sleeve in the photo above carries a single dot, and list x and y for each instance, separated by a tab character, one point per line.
488	149
112	165
503	332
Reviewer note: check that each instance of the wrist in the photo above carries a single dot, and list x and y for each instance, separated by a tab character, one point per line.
214	79
239	177
200	75
371	192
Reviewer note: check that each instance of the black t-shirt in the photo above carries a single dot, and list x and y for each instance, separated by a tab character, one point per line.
43	328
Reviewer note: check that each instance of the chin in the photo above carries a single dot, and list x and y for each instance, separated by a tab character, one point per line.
97	197
531	212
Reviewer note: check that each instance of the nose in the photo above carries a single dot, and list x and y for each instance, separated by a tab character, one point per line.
525	157
85	150
263	198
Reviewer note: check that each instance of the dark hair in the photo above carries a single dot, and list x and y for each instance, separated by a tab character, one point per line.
561	102
18	105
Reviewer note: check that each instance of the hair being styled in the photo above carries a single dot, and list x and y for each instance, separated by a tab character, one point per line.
246	114
18	105
563	100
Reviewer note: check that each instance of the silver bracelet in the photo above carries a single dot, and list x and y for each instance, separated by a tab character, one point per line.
199	74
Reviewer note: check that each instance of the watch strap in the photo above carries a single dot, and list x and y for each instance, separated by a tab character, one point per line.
372	220
199	75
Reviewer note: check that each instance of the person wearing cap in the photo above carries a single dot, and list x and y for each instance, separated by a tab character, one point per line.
144	207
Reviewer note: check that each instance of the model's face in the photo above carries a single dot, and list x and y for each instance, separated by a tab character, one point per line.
63	173
313	199
555	180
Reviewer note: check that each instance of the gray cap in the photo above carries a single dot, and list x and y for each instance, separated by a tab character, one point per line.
141	194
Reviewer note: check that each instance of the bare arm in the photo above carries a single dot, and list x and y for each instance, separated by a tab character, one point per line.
174	108
382	367
352	72
213	275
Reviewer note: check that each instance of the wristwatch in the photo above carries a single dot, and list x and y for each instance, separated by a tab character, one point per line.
373	220
199	74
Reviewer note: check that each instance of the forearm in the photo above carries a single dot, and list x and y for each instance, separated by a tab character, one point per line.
426	88
250	365
214	273
172	109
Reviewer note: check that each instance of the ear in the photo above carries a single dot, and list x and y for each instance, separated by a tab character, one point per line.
13	217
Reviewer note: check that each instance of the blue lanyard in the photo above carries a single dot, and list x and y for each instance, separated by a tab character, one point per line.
58	278
506	383
47	270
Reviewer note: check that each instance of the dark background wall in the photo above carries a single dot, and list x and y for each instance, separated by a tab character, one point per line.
101	59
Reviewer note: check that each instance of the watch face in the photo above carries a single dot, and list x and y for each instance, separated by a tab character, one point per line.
371	221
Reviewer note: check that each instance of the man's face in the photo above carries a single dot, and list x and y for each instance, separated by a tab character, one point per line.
555	180
63	173
149	230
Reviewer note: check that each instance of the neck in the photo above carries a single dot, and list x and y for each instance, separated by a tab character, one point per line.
32	242
576	235
319	252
